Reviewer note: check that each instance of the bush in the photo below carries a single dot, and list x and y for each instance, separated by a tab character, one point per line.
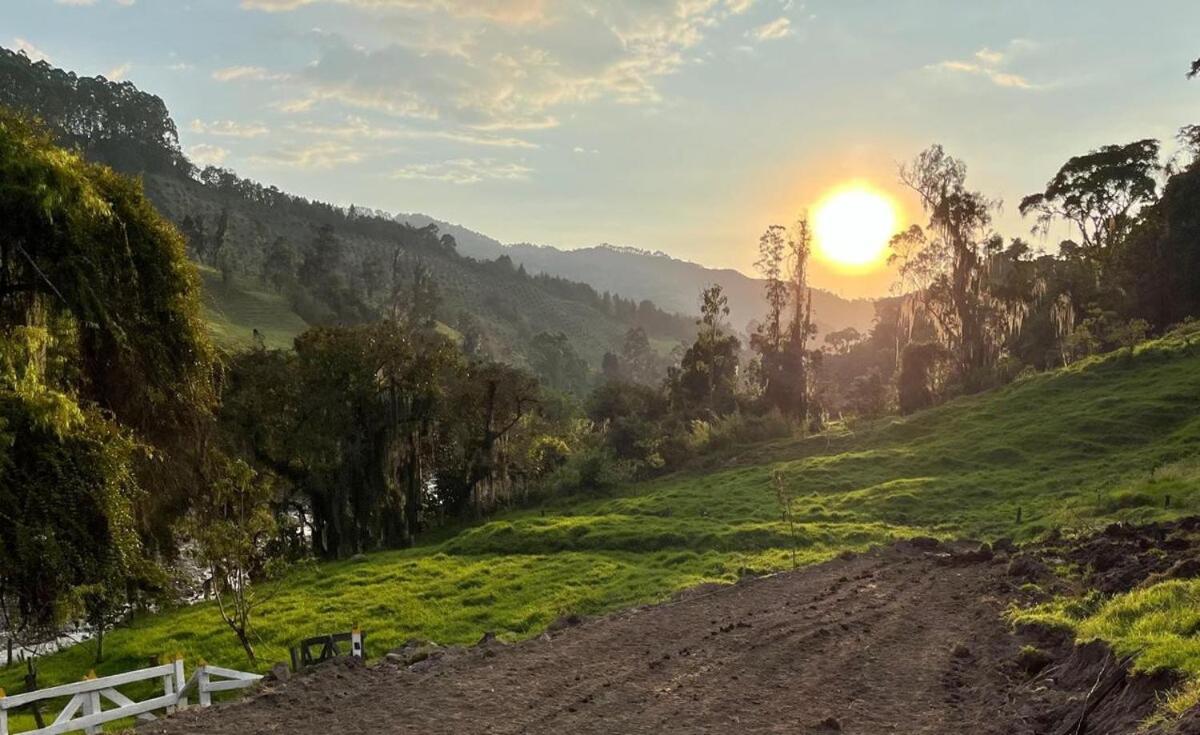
591	470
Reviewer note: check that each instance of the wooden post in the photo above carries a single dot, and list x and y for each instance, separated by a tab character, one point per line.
31	685
91	705
180	680
203	694
3	710
168	682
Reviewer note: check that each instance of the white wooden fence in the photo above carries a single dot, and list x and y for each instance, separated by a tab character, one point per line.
85	710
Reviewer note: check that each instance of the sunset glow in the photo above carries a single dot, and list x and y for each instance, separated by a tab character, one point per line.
852	226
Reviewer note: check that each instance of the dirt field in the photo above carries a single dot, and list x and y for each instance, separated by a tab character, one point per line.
908	639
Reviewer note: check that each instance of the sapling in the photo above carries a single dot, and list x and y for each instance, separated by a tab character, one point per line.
784	497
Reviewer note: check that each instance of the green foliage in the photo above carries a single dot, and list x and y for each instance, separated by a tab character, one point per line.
1054	444
67	492
102	355
232	527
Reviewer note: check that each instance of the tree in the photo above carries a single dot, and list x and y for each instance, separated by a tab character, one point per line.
958	231
103	354
1195	69
638	358
773	249
1099	193
915	383
704	384
487	403
557	364
279	265
232	526
1158	265
868	394
843	339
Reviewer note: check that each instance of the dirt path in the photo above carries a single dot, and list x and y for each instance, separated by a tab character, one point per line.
894	641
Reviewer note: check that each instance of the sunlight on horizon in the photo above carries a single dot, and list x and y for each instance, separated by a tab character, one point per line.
852	226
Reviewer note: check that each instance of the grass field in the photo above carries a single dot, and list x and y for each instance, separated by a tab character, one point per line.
235	310
1104	439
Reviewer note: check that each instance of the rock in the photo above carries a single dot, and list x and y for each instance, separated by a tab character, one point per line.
960	650
412	652
358	557
829	724
280	672
488	637
924	542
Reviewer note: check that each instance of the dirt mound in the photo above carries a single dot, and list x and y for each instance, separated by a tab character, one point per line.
905	639
1124	556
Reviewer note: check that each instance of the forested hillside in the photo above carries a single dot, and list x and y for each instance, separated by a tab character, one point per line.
264	241
669	282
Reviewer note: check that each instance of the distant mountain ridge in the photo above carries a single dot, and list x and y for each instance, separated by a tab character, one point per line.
671	283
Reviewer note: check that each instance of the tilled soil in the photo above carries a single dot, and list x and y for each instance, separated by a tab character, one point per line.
907	639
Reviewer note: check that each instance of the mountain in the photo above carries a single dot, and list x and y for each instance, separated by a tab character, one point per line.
274	263
671	283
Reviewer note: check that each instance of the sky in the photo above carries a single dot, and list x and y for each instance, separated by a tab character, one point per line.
686	126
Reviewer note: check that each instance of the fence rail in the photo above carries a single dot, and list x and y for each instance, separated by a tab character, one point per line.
85	708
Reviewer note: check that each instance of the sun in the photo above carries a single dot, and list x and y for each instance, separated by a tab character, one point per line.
852	226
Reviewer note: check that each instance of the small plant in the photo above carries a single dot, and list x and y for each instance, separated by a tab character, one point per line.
784	497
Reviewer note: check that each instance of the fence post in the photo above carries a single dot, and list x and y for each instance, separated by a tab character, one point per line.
168	682
203	694
180	680
356	643
3	715
91	705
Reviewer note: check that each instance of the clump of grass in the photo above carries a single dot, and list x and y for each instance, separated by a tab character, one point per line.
1158	625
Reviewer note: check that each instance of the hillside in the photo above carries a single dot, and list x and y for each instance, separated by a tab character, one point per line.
240	226
1109	438
671	283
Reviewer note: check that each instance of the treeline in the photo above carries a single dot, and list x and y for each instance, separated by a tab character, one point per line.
979	311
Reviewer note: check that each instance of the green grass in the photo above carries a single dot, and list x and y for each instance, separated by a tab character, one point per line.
1106	439
1159	625
233	311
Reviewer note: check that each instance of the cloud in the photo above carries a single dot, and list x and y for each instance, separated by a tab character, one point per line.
776	29
320	155
494	65
247	73
117	73
33	52
515	12
989	64
464	171
356	128
203	154
229	129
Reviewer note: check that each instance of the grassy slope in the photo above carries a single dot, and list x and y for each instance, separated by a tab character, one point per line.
234	311
1073	447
